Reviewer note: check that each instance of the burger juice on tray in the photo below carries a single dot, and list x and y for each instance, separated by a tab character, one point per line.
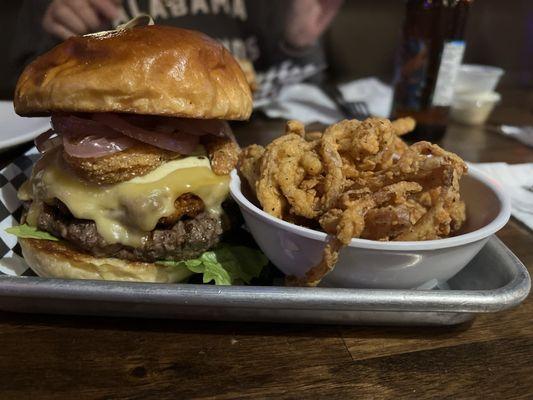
134	174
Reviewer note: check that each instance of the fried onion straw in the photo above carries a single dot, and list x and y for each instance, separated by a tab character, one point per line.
357	179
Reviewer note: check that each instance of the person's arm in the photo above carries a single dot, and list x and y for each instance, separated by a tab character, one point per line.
306	22
66	18
290	30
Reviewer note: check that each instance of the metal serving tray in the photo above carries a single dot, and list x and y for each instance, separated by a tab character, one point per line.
495	280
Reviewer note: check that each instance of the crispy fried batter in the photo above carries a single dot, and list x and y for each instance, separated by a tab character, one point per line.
352	221
314	275
401	126
248	164
121	166
267	187
313	135
422	162
347	224
187	205
297	176
223	153
396	211
303	201
357	179
388	222
365	146
334	180
399	147
432	225
396	193
296	127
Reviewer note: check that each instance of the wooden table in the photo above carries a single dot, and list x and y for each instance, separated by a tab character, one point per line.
52	357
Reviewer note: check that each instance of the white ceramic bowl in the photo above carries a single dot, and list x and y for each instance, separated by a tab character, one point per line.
373	264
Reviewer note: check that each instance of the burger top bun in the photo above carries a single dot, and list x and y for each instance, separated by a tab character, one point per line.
51	259
157	70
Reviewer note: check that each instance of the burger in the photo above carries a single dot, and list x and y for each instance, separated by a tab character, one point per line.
135	172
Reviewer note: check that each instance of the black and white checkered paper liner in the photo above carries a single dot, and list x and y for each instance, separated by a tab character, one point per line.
11	178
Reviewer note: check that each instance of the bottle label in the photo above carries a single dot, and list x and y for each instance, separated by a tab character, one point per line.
452	55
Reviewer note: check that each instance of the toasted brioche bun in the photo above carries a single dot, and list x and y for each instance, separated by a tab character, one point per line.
51	259
157	70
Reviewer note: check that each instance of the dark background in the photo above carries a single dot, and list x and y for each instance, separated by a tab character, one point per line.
363	39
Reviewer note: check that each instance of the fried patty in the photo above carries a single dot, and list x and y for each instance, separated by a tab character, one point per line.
121	166
185	239
139	160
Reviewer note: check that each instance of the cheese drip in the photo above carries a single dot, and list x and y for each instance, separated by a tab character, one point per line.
125	212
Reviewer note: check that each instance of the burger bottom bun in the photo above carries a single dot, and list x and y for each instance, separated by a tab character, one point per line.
51	259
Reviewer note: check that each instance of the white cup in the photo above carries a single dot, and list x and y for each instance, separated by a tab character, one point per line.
473	78
473	108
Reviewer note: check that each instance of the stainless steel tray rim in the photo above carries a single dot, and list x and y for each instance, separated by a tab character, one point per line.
294	298
277	298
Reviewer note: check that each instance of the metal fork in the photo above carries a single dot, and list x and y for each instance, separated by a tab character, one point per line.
350	109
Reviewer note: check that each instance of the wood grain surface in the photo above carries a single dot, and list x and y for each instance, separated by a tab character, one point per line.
69	357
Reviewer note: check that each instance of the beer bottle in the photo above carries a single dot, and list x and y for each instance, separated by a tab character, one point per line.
430	55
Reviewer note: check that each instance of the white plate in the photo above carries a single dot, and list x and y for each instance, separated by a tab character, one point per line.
15	130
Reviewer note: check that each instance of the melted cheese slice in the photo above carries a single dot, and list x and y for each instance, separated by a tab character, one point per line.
126	212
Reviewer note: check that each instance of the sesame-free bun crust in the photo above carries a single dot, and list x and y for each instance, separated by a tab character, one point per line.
157	70
51	259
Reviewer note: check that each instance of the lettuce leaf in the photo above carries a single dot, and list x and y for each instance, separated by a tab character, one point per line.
30	232
225	265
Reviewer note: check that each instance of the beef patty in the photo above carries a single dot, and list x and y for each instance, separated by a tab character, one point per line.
185	239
